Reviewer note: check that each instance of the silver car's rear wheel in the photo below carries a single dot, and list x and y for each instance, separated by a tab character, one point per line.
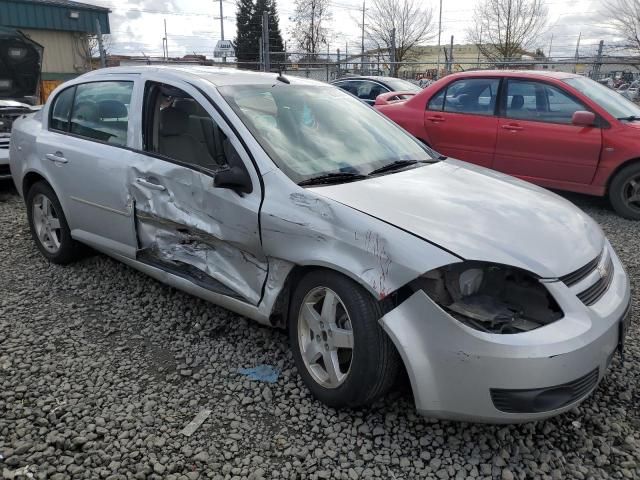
325	337
46	223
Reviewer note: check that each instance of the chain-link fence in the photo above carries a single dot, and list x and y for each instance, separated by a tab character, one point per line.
612	70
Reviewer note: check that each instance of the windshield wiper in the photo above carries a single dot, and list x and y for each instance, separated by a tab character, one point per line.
397	165
328	178
630	118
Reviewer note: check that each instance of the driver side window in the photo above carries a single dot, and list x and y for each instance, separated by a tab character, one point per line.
177	127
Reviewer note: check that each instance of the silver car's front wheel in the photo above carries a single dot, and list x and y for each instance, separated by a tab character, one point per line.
341	352
46	223
325	337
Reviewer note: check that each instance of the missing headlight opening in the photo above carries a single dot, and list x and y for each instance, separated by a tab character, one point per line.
491	298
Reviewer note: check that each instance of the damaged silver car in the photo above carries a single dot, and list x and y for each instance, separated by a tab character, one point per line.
292	203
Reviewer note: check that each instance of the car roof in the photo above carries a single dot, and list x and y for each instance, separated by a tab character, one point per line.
515	73
377	78
218	76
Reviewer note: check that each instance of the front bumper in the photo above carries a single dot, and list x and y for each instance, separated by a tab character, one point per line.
454	368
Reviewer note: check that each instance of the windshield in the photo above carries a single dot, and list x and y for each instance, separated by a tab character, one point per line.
398	85
614	103
310	131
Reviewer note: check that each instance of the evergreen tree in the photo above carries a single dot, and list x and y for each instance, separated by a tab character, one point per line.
246	41
276	45
275	37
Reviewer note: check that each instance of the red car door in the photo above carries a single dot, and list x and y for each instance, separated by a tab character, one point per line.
537	140
460	120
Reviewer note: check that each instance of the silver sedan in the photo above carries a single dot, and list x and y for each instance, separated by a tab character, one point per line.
292	203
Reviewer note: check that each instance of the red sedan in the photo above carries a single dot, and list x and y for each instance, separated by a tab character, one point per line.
558	130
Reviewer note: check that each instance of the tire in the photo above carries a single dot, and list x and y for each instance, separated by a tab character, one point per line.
624	192
366	371
51	235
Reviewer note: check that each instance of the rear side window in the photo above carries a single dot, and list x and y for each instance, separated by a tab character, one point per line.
469	95
101	111
476	95
370	90
538	101
61	110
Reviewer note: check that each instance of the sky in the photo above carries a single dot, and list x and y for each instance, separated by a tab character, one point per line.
193	26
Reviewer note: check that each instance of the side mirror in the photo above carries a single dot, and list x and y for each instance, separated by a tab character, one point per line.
234	178
583	118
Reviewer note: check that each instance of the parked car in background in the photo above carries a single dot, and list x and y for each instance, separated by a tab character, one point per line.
20	60
558	130
368	88
630	90
293	203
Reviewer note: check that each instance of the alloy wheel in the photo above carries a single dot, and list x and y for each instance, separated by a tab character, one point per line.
631	193
46	223
325	337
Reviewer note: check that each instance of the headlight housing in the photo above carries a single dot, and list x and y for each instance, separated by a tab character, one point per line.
490	297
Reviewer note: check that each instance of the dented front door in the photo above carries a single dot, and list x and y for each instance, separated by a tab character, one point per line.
190	228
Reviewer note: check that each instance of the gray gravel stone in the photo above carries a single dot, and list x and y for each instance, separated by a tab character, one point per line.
101	367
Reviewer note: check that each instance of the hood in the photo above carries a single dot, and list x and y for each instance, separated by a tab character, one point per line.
20	64
479	214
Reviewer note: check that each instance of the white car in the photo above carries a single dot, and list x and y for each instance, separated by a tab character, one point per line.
292	203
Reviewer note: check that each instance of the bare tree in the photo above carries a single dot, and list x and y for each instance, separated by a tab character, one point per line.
310	24
505	29
413	26
92	50
624	15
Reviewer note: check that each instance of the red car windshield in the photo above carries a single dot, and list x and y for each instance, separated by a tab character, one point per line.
614	103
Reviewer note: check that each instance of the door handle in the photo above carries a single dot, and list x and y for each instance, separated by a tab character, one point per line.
150	185
513	128
436	118
56	158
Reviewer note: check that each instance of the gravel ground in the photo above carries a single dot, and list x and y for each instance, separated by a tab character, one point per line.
101	367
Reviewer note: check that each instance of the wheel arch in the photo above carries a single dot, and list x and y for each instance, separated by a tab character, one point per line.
30	179
280	311
618	169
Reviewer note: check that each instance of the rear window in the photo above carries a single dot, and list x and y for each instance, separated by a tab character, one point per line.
61	110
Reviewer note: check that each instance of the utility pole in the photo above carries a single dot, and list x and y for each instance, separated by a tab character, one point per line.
451	55
439	34
166	41
575	68
313	32
260	52
346	55
392	53
362	44
478	47
327	61
596	68
103	56
550	45
224	58
338	57
265	41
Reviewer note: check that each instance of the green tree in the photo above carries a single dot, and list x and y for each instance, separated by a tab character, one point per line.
246	41
276	45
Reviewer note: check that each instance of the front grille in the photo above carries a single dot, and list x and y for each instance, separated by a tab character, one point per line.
580	274
537	400
592	294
